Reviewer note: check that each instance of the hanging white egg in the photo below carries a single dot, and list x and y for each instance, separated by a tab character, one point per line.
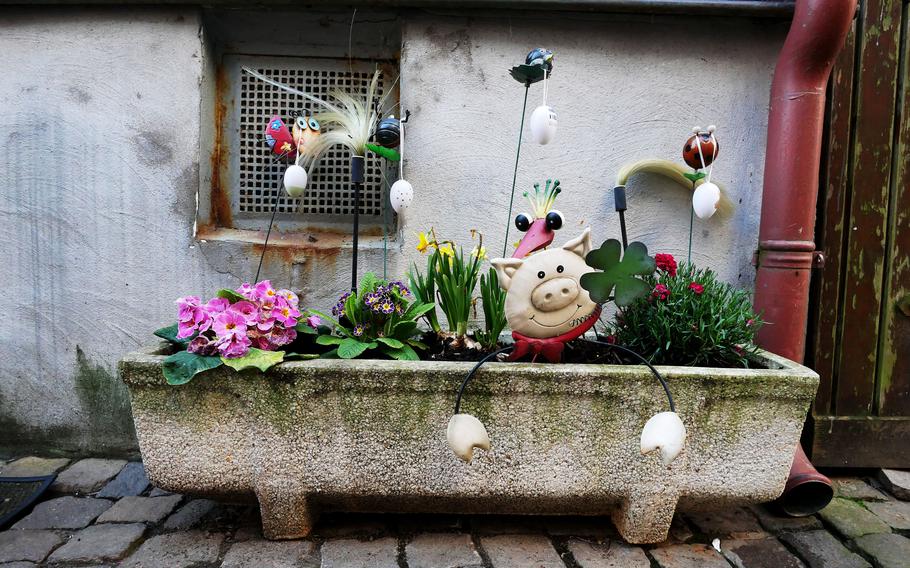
543	124
401	194
295	179
705	200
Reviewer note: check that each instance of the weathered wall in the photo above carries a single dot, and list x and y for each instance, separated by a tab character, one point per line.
100	165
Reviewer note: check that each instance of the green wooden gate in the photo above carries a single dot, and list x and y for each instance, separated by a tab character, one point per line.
860	326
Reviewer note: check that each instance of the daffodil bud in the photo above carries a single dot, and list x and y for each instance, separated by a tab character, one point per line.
664	432
466	432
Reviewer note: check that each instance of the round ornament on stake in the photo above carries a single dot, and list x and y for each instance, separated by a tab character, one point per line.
295	180
543	120
401	195
700	152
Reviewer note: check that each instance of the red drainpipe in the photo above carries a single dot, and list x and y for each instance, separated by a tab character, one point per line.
786	245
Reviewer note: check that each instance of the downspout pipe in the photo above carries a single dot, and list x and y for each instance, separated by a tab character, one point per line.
786	237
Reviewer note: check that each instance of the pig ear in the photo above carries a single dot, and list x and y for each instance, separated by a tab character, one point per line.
580	245
505	268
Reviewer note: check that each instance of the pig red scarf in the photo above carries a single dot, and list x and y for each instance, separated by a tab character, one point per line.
550	348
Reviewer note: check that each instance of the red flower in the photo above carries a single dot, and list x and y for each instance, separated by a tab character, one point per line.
666	263
697	288
661	292
611	339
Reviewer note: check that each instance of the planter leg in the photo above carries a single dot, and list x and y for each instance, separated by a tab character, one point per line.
645	518
286	513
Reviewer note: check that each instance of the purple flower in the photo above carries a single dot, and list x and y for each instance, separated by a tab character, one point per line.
248	310
358	330
234	346
387	307
338	308
203	345
401	288
230	324
314	321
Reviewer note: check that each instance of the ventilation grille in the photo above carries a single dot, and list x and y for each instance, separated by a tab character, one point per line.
329	195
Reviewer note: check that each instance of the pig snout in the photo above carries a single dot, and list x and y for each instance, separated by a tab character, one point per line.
554	294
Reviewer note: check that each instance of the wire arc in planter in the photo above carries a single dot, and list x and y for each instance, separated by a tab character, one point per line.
655	372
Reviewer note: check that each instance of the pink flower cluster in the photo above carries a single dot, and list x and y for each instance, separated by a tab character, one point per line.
265	319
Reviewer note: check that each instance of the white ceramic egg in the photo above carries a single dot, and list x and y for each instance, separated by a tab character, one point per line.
295	179
664	432
543	125
401	194
705	199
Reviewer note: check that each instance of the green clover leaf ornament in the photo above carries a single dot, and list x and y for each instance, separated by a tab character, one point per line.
618	272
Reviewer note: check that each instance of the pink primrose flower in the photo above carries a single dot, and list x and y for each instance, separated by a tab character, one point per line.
234	346
246	290
229	324
285	313
248	310
264	291
290	297
314	321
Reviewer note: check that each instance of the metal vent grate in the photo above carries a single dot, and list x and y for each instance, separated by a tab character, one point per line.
329	196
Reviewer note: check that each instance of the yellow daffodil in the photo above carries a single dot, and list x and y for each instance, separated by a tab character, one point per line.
422	243
480	253
446	250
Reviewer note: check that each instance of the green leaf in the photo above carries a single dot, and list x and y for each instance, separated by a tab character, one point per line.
351	348
527	74
393	343
418	344
406	353
170	334
618	274
387	153
180	368
331	354
903	305
329	340
404	329
230	295
417	309
694	177
255	359
305	328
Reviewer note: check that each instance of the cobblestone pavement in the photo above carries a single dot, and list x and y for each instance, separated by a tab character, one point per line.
105	513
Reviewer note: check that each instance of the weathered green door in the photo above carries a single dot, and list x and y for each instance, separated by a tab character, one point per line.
860	335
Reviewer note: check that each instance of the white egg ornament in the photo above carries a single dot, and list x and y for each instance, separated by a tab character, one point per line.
401	194
465	433
705	199
295	179
543	125
664	432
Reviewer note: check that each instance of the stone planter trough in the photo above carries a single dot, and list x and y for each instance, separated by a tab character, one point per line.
332	435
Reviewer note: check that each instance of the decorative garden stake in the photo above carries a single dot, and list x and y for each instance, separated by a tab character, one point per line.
354	121
538	65
401	193
295	180
699	153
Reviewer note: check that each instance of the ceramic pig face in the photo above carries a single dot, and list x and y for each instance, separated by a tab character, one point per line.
545	298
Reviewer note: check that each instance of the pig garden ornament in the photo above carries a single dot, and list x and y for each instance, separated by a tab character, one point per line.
546	305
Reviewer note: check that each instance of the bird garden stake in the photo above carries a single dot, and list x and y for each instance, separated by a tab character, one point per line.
537	66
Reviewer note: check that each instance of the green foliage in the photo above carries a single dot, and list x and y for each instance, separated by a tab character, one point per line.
378	317
456	279
181	367
453	275
424	288
170	334
714	328
255	359
494	310
617	274
230	295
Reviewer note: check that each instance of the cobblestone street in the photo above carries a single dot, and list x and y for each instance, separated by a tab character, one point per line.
105	513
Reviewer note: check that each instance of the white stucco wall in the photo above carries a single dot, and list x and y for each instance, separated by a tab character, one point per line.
101	156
